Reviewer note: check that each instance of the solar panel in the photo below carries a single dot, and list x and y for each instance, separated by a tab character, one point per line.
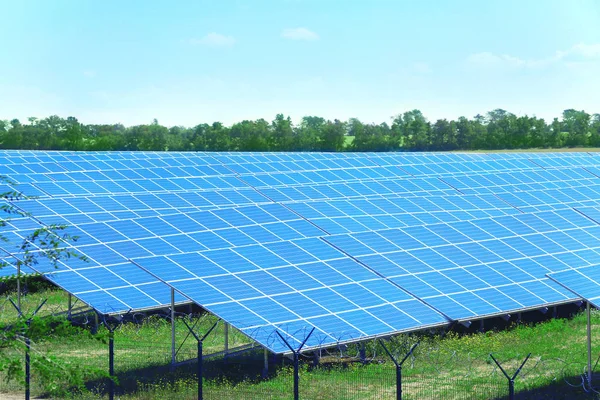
289	241
584	282
290	287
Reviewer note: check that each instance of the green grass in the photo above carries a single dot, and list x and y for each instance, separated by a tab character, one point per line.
444	368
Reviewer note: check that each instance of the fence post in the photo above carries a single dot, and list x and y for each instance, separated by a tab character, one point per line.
27	344
296	377
398	367
111	363
200	341
296	353
200	362
27	365
111	356
511	379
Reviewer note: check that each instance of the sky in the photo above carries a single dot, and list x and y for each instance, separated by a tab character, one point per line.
190	62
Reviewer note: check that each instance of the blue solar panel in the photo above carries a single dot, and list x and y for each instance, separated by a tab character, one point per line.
472	234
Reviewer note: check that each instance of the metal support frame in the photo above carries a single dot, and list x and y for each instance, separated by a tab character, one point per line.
362	353
589	343
398	366
226	333
511	379
316	358
19	285
296	353
69	306
27	344
200	341
173	350
265	371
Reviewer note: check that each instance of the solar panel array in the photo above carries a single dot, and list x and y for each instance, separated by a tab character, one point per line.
583	282
355	245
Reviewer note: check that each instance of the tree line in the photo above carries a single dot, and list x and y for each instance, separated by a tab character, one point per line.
410	131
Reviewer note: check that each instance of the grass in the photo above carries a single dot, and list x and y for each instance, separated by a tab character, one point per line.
453	367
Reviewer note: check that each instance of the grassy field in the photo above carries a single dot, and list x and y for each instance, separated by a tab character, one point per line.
448	367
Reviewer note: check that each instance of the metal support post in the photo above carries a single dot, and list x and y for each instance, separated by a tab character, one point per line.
363	353
173	351
316	358
226	331
589	343
399	367
296	353
481	326
265	371
19	286
511	379
200	341
70	306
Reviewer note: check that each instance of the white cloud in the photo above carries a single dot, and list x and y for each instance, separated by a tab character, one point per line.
586	50
579	52
299	34
214	39
89	73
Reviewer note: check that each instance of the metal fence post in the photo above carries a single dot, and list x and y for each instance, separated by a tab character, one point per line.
200	361
511	379
111	364
200	341
398	367
296	353
296	377
27	365
27	344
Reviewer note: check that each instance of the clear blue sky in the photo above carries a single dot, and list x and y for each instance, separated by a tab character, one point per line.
187	62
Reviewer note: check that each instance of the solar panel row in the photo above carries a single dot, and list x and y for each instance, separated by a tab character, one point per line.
355	245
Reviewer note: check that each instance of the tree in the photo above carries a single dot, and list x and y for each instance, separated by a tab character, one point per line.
217	137
595	131
309	134
251	135
443	135
410	130
413	130
577	124
500	124
332	136
282	138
